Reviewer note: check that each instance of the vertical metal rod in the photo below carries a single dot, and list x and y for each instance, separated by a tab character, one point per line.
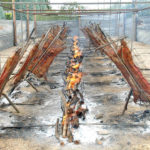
14	24
35	26
27	25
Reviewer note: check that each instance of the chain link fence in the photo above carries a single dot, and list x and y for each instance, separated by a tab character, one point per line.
116	23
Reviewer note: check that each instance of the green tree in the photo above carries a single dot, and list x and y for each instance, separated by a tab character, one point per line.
31	7
7	5
73	6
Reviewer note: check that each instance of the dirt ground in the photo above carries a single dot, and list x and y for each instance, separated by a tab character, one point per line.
104	91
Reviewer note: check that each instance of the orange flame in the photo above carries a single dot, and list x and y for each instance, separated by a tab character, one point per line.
75	78
77	54
75	38
76	49
76	66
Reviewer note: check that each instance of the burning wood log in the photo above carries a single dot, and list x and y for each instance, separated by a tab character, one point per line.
72	98
123	60
73	80
65	115
56	129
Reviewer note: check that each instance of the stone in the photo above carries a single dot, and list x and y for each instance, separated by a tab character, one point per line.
98	116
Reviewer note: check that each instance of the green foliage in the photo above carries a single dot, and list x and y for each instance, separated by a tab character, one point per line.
6	5
70	8
8	15
73	6
20	16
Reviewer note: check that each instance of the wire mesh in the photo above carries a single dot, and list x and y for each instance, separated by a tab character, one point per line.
115	18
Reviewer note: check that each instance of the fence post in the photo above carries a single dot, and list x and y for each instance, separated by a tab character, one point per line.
14	24
134	19
27	21
124	24
21	27
35	20
0	65
79	20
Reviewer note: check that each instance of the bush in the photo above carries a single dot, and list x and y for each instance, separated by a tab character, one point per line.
8	15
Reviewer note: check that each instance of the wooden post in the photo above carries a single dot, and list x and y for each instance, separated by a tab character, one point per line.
35	20
14	24
10	102
21	27
0	65
32	85
134	22
27	25
65	126
56	129
79	20
116	24
124	24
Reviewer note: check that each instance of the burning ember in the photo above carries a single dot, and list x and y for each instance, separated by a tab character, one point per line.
73	80
73	101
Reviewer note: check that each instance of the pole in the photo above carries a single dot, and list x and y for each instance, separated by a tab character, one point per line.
127	101
79	21
27	25
21	27
35	21
124	24
134	18
0	65
14	24
10	102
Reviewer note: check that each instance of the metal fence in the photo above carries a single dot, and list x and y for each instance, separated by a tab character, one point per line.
114	21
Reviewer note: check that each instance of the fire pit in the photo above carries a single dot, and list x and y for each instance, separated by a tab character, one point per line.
73	106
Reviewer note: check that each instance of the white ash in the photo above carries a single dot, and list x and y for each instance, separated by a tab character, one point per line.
6	119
